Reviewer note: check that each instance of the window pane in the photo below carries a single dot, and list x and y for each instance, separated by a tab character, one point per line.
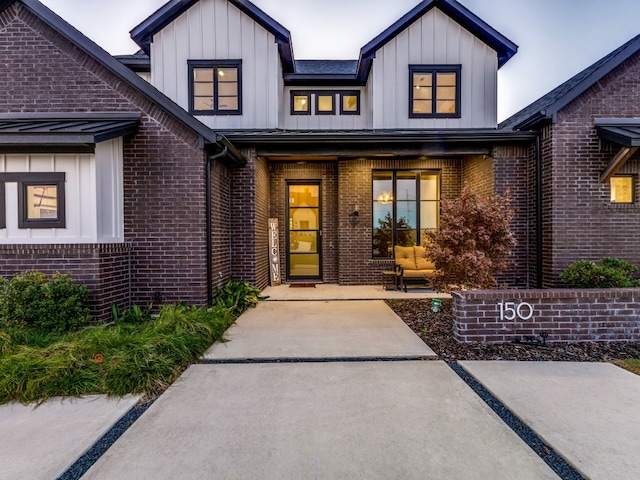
300	103
429	215
304	195
406	185
422	106
42	202
227	89
203	89
423	79
446	106
203	75
325	103
228	103
446	79
227	74
429	186
406	238
300	242
303	218
423	93
350	103
406	215
622	189
446	93
382	187
304	265
203	103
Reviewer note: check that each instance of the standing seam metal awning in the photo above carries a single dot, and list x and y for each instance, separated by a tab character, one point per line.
66	128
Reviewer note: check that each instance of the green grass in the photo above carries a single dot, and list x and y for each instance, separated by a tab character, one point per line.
631	364
141	359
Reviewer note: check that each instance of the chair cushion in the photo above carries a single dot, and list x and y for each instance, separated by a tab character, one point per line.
422	262
405	256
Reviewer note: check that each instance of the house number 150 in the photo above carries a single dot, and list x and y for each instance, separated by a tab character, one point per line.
511	310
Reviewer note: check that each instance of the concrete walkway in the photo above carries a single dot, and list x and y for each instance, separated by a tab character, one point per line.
588	412
42	442
339	419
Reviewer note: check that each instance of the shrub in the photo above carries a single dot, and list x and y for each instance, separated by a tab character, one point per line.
133	315
237	295
474	241
55	304
611	273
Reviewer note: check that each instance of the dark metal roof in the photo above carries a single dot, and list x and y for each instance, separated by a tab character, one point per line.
335	72
138	62
144	32
623	131
546	107
65	129
208	136
386	136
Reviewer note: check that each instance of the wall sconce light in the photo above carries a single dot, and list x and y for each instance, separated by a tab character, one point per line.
355	212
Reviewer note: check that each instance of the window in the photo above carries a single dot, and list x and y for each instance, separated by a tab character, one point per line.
622	189
325	103
41	200
434	91
350	103
215	87
406	204
300	103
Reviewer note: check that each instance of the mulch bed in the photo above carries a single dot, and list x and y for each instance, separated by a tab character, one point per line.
436	330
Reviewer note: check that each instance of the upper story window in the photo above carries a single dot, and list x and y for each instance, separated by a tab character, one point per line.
324	102
622	189
434	91
215	87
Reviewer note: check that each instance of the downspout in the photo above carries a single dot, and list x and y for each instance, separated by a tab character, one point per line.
209	227
538	213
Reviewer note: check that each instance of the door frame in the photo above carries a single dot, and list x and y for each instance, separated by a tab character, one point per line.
318	183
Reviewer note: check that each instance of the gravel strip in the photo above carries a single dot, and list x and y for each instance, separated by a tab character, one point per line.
80	466
558	464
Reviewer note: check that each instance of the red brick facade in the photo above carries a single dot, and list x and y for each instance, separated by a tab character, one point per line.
566	315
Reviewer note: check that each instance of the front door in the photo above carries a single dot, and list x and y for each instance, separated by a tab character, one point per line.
304	231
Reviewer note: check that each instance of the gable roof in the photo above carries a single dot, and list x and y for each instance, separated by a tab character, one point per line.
319	72
545	108
501	44
207	136
144	32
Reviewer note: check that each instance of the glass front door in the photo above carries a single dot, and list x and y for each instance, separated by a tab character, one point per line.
304	246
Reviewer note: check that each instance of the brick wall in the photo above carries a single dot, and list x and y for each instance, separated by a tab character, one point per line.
478	173
566	315
580	221
164	168
103	268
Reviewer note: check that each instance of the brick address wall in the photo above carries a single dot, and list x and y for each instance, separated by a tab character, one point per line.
566	315
103	268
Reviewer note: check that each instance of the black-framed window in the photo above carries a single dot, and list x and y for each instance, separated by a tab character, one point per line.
41	199
622	189
215	87
300	103
325	103
406	205
434	91
350	102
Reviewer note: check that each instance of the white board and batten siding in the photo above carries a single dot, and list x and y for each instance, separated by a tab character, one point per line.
93	196
434	39
217	30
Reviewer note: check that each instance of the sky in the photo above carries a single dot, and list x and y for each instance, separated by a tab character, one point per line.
556	38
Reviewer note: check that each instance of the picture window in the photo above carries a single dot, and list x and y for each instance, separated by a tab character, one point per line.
215	87
622	189
434	91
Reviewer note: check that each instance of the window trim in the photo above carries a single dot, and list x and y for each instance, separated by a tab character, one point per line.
633	189
345	93
418	202
325	93
433	70
300	93
31	179
214	64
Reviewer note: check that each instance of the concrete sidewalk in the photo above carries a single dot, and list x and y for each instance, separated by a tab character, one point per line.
588	412
42	442
319	329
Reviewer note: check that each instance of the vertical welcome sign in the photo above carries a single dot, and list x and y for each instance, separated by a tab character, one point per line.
274	252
